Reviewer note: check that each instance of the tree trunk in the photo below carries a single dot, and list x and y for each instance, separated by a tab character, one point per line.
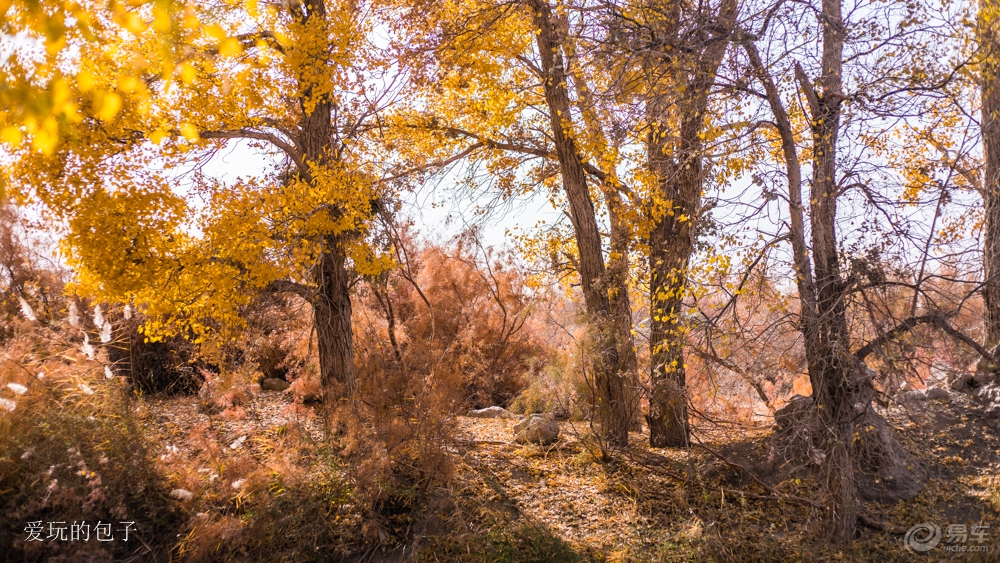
617	282
332	318
616	277
675	159
840	419
607	369
332	303
840	385
989	14
670	247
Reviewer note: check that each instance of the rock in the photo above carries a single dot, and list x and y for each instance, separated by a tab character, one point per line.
311	398
914	396
274	384
182	495
793	411
935	393
989	397
490	412
971	381
536	429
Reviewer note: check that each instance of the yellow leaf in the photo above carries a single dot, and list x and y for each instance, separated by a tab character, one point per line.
53	47
157	136
85	80
128	84
188	73
46	138
110	104
134	23
11	135
229	47
161	20
215	31
190	132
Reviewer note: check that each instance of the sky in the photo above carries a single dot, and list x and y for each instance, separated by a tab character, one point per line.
437	211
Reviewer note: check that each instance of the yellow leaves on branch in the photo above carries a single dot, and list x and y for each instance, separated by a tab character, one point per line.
128	95
60	63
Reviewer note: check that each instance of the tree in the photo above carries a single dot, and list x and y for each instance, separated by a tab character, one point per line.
678	52
296	83
509	98
840	420
989	76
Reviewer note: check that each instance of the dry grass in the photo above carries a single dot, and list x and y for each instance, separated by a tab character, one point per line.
74	452
284	493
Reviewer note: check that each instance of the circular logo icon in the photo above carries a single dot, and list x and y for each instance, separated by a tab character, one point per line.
922	537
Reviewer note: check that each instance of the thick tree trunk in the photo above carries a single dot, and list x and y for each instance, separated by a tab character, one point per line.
617	282
616	277
675	159
839	419
989	43
332	319
332	302
670	247
607	369
841	389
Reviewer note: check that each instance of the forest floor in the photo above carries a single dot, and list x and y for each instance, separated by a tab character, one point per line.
512	502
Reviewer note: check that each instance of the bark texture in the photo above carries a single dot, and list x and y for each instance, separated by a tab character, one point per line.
675	157
608	365
989	17
332	300
854	444
332	319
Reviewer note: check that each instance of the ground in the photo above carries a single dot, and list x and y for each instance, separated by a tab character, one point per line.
512	502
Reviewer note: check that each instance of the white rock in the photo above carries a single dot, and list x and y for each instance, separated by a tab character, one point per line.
7	404
490	412
238	442
182	495
17	388
536	429
934	393
108	374
86	389
237	485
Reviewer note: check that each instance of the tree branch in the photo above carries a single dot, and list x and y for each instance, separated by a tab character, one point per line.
808	90
245	133
288	286
909	324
